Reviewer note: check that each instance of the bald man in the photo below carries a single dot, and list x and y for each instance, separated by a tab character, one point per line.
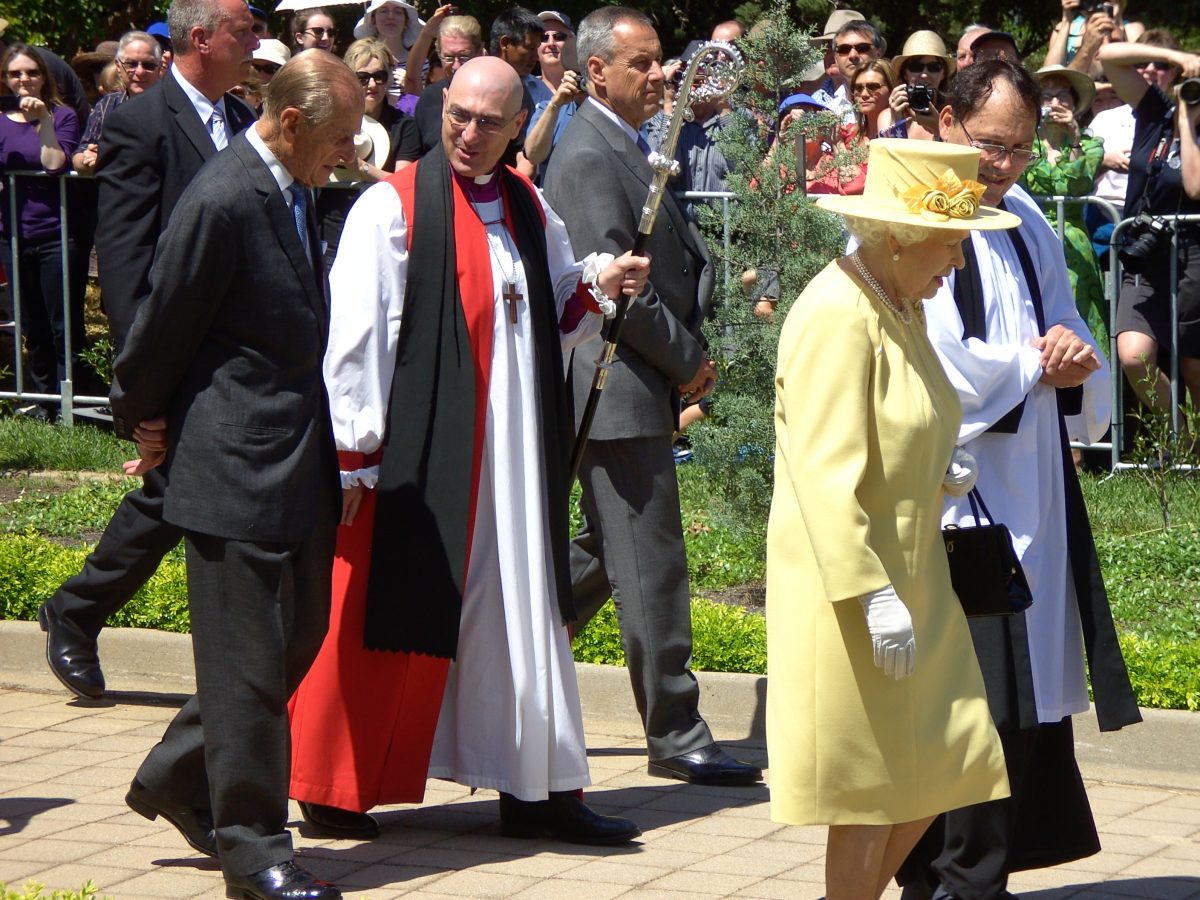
452	424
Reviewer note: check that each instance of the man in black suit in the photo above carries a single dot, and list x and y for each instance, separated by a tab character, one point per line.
631	546
220	379
154	144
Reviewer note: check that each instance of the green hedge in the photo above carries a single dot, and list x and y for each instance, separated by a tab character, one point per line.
1165	671
33	891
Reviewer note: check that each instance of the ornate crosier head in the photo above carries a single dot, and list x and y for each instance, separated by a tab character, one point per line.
711	74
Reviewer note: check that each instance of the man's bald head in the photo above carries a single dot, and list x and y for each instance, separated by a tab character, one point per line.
482	115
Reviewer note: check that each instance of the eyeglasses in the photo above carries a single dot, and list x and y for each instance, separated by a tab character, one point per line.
932	66
146	65
460	59
869	87
844	49
1155	65
266	68
365	78
21	74
319	33
554	36
994	153
1063	97
460	119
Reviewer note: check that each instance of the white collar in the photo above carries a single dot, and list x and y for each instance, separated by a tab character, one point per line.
282	176
204	107
621	123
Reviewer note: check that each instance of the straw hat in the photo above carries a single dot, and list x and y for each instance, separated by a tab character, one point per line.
1084	88
834	23
412	27
927	183
923	43
372	144
272	51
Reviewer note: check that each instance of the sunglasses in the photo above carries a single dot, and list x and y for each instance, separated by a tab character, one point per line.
1156	66
844	49
869	87
18	74
365	78
319	33
266	68
460	58
146	65
554	36
917	67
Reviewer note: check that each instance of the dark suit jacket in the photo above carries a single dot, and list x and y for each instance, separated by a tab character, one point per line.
597	180
229	346
153	146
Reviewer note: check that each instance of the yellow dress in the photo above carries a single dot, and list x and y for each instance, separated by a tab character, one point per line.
865	423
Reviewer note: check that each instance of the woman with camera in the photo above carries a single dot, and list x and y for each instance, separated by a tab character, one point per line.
922	69
1156	195
1068	164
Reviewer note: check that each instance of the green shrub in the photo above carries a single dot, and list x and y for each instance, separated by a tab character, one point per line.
1165	674
33	891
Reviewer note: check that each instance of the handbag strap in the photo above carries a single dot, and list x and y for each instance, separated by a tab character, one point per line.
976	500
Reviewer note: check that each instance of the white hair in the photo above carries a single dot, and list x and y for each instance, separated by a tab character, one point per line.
873	232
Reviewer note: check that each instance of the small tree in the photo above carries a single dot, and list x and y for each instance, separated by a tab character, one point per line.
773	228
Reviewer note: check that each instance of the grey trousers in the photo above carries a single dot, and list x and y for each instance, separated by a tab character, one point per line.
259	613
631	547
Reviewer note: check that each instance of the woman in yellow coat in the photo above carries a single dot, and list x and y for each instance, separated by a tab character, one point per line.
876	713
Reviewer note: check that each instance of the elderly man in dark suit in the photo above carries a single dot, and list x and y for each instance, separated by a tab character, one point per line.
153	146
220	378
631	545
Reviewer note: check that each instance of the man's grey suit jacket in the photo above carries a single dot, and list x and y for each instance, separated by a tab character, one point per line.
229	347
597	181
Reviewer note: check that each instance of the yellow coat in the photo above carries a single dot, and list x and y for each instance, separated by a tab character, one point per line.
865	423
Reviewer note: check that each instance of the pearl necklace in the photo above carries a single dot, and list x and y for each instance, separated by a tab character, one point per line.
904	314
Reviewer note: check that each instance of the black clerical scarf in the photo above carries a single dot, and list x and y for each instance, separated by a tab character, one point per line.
428	474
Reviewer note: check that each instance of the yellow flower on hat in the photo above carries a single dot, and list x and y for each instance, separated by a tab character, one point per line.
949	197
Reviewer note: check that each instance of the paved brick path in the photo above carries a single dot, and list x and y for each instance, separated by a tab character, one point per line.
65	767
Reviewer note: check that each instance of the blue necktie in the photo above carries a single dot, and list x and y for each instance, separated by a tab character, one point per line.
299	205
643	146
216	127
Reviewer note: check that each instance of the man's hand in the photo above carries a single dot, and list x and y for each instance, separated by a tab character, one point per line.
1116	160
702	382
1067	360
627	274
351	501
568	90
150	437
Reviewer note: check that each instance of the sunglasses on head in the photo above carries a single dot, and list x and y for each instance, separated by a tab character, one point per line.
917	67
844	49
365	78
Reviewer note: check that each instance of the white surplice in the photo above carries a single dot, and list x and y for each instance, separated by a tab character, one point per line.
510	717
1021	475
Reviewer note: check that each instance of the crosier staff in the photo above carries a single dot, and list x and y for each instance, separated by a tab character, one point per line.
711	74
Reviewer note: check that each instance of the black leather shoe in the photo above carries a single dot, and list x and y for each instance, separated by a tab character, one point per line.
286	881
72	657
564	817
708	765
333	821
195	825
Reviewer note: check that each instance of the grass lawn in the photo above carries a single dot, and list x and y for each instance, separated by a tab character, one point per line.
1153	576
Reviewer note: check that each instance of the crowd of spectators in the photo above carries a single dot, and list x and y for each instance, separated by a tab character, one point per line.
1110	128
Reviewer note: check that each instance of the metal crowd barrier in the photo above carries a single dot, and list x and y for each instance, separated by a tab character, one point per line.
69	399
66	396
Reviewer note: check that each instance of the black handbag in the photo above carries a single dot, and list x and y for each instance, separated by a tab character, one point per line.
984	569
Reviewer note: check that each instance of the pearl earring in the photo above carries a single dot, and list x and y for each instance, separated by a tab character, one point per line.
896	256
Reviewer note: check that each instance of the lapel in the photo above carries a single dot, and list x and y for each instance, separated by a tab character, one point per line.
626	152
283	226
187	119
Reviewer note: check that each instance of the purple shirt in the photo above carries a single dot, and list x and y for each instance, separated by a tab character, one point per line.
37	198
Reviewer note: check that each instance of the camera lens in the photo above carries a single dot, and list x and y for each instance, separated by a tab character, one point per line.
1189	91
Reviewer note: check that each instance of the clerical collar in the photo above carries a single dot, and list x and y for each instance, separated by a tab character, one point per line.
482	189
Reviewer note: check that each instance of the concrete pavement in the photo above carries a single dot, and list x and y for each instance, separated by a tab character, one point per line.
65	766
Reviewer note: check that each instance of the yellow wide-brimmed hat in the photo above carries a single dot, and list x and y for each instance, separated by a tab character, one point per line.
927	183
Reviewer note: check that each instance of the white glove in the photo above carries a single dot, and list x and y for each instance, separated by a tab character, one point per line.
891	631
961	474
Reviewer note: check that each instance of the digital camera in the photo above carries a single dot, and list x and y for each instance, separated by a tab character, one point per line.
1148	237
920	97
1189	91
1091	7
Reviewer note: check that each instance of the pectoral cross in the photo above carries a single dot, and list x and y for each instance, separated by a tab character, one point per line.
512	296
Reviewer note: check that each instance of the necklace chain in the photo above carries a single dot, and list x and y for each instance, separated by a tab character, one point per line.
903	313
